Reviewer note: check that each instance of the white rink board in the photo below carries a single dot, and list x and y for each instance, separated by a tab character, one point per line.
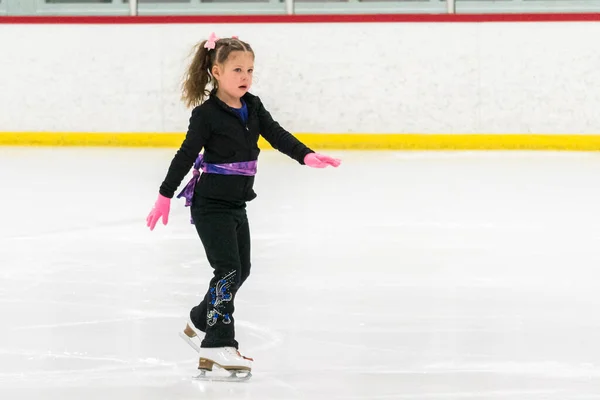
317	78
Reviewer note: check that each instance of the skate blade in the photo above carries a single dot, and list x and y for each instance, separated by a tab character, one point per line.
189	341
234	376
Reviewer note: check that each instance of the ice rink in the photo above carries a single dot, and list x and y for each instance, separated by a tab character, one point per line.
415	275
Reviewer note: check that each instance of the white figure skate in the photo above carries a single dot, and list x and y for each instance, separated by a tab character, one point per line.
192	335
228	359
237	367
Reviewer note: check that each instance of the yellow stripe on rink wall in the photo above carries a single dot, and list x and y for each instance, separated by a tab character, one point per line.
324	141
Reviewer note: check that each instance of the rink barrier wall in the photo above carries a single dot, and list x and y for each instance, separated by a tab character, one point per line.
302	18
324	141
468	102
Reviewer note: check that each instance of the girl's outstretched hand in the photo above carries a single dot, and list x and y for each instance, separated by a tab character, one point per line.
316	160
160	210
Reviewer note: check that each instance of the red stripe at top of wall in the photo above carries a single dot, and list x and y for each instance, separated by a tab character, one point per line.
320	18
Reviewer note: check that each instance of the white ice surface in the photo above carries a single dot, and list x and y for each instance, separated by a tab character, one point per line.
396	276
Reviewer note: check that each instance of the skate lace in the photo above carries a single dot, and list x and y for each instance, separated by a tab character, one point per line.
244	357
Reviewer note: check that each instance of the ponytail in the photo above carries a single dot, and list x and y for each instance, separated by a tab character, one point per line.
197	77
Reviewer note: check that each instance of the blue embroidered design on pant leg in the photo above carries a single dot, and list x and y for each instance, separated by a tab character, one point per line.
219	295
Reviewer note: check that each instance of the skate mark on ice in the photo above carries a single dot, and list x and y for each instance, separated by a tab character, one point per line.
83	356
270	337
77	304
162	367
356	346
75	229
456	395
278	382
95	322
81	376
546	369
65	355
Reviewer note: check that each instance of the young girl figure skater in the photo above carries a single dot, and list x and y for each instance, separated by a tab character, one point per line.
226	122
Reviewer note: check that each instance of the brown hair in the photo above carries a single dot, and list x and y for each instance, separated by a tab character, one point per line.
197	76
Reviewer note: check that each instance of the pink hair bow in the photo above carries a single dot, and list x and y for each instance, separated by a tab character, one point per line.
235	37
211	42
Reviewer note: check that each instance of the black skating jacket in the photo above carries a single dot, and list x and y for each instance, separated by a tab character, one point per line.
218	130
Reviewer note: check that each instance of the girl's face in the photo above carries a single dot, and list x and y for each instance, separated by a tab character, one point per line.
235	75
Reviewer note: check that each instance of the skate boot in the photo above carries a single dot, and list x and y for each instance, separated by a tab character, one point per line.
228	359
192	335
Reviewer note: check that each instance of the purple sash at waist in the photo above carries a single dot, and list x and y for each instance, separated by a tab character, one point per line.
245	168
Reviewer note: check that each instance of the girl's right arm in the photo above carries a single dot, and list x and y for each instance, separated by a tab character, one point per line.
195	139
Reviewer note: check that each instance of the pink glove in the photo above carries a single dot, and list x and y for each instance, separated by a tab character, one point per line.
161	209
317	160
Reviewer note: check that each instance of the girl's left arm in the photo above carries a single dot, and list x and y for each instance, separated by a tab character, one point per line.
279	138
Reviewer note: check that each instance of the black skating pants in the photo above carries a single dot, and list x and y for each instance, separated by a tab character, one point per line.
225	234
